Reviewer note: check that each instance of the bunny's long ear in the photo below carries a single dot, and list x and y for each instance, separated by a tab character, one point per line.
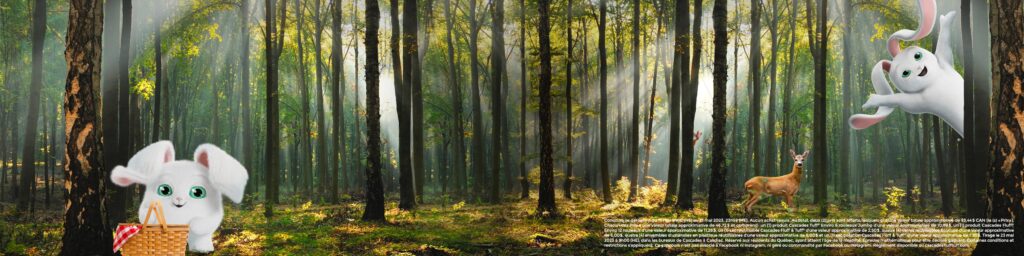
924	27
881	85
143	165
226	173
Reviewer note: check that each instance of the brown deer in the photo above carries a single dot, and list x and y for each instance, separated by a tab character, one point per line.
784	186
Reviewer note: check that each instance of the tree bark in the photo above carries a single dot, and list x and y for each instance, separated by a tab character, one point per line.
459	154
328	183
524	183
306	155
717	207
248	135
1006	175
844	141
480	164
603	128
358	165
85	226
274	40
28	157
338	103
567	185
410	91
497	112
546	200
771	153
374	210
754	124
821	150
124	129
687	101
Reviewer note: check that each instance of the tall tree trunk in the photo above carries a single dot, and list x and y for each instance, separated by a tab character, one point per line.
787	97
821	150
46	160
328	183
85	227
925	160
1006	175
5	115
524	183
686	109
717	207
976	111
945	182
410	88
274	40
497	111
844	141
374	188
770	152
634	133
355	110
414	71
248	135
546	200
603	128
690	109
754	124
338	102
649	125
480	164
306	153
124	129
459	161
28	157
109	103
734	141
567	185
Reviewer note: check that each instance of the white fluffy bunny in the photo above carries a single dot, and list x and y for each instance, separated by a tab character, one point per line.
190	190
927	82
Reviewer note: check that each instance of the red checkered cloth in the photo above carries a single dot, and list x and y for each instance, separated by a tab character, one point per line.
124	232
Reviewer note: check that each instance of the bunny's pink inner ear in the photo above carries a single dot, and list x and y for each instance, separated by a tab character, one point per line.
204	158
928	9
169	156
886	65
864	121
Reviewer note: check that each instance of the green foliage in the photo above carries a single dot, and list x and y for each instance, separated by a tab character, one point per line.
893	196
144	88
620	192
653	194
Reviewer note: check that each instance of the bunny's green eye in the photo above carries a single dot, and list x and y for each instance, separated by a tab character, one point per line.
906	73
917	56
197	192
164	190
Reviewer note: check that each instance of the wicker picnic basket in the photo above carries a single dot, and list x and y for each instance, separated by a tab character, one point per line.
157	239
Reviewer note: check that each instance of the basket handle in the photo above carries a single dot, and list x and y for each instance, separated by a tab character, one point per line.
157	207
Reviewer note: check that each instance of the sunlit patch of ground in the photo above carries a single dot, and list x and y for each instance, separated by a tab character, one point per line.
448	228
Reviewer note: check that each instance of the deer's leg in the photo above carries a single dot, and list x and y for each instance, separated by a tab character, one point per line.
789	202
753	200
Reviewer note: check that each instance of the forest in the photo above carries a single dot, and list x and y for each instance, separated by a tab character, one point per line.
469	127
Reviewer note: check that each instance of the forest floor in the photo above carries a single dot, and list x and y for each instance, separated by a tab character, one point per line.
443	228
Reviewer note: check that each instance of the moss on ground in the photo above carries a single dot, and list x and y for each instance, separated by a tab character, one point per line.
451	228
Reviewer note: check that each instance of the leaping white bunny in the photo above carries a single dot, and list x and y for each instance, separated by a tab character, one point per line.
191	189
928	83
